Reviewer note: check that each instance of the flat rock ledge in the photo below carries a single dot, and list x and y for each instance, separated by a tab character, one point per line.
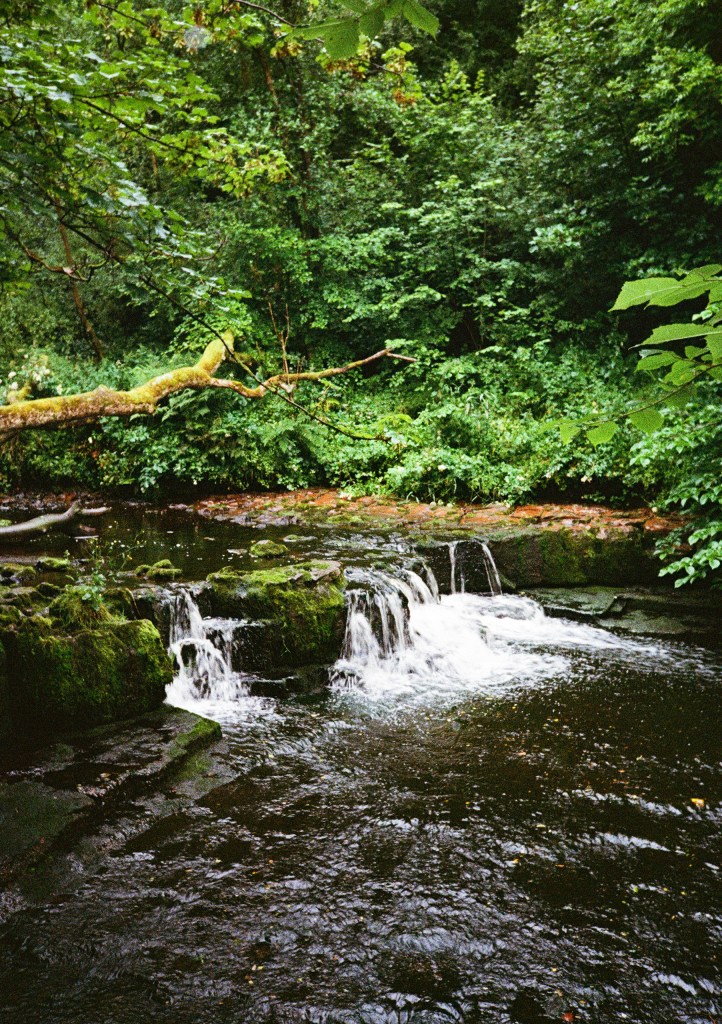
317	505
49	798
532	545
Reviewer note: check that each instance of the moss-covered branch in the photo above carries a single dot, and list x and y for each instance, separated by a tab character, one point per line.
89	406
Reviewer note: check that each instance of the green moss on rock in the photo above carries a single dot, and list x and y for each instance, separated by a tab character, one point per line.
159	571
49	564
305	602
67	680
72	611
569	558
17	571
267	549
203	732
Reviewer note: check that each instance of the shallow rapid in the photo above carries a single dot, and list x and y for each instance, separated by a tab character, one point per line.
492	816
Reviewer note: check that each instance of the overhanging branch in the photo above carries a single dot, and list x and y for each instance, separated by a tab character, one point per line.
89	406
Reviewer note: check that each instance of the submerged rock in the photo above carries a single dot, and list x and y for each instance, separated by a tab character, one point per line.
305	602
57	791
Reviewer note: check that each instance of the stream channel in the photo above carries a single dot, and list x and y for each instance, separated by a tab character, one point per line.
490	816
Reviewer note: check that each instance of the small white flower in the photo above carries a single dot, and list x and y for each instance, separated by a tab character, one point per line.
11	374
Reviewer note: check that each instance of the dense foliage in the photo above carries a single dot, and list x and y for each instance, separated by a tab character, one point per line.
476	199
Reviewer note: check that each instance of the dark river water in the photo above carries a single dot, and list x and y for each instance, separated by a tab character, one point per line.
515	820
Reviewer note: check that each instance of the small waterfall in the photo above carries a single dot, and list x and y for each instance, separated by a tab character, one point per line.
453	546
468	556
492	573
379	610
203	652
404	640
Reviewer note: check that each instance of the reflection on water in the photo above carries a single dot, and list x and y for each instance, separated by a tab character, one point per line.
488	819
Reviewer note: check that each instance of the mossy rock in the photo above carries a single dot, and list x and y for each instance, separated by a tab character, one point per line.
159	571
267	549
71	611
17	571
304	601
68	680
568	558
49	564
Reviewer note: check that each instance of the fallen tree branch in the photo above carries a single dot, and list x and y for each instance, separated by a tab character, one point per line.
143	400
50	521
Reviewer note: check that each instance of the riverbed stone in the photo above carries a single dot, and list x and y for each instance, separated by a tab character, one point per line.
160	571
304	601
267	549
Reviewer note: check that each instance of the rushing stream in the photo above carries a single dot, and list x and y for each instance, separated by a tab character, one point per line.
490	817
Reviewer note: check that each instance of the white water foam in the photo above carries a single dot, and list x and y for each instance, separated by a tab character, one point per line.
406	644
205	681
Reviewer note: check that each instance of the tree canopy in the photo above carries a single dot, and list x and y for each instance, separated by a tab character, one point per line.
465	185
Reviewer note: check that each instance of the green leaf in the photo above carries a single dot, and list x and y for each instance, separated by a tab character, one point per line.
679	332
341	39
634	293
710	270
659	291
682	372
603	433
714	344
647	420
681	398
372	22
420	17
568	430
654	362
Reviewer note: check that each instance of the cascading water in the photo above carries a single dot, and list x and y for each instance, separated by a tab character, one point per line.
458	581
492	573
203	652
405	641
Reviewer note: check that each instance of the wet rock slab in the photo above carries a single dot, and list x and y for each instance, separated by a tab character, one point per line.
50	796
649	611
